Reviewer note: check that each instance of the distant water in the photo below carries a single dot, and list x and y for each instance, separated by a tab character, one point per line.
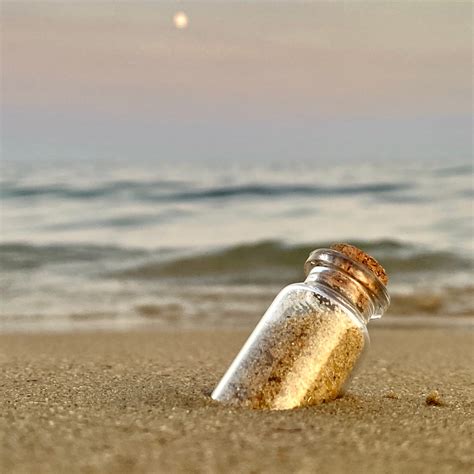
101	245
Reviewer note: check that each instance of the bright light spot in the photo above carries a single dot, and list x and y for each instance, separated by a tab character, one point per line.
180	20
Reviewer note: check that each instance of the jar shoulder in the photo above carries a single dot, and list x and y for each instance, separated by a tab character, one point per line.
303	296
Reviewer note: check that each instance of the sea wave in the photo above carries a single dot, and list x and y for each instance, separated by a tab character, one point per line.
23	256
276	261
12	190
272	259
158	191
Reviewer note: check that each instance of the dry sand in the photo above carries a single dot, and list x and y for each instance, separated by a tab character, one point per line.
139	402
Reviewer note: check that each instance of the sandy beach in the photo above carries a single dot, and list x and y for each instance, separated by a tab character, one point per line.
139	402
172	172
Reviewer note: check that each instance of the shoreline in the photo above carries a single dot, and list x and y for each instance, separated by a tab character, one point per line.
35	326
139	401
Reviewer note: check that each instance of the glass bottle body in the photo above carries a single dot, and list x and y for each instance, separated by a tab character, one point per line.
306	346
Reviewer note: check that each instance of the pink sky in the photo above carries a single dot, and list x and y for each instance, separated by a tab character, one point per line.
266	62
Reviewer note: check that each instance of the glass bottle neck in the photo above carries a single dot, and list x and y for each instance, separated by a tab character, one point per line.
354	284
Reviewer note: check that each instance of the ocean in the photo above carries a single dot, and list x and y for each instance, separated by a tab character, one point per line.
115	245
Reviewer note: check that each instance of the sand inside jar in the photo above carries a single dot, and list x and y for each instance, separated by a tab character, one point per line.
303	358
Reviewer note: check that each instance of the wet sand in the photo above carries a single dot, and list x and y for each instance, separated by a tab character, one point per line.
139	402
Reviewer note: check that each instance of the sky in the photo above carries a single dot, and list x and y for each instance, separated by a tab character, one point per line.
243	81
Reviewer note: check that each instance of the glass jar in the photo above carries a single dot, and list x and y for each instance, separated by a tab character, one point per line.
307	344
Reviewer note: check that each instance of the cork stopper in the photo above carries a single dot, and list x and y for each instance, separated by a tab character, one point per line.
359	256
